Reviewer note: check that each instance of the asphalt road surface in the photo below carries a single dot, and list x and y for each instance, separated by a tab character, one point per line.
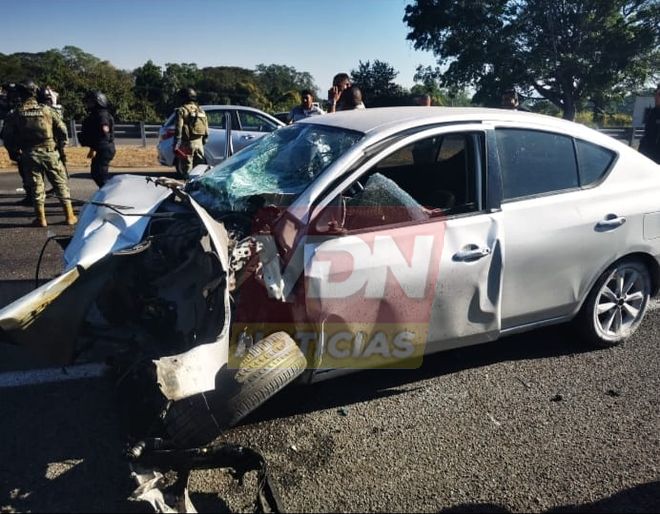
535	422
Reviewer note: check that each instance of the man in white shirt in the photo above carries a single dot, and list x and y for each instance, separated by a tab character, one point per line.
306	108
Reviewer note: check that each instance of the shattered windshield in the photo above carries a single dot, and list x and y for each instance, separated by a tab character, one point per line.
284	163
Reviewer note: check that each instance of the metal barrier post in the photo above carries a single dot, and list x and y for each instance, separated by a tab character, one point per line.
74	134
143	134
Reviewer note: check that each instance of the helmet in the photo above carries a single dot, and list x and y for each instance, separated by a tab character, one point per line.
96	99
187	94
27	89
12	93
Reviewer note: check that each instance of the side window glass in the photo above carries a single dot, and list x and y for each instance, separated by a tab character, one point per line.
255	123
431	177
216	119
535	162
593	160
265	125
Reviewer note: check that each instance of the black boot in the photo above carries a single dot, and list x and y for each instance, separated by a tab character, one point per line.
25	202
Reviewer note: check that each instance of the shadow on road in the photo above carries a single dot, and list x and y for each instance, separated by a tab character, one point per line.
641	498
59	437
373	384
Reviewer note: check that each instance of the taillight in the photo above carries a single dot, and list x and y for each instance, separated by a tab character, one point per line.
167	134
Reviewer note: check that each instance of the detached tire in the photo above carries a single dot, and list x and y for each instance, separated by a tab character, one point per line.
268	366
616	305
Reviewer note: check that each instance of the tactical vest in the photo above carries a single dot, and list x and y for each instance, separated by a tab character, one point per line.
35	126
195	122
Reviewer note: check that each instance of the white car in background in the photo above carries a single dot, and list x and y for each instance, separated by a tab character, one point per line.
247	125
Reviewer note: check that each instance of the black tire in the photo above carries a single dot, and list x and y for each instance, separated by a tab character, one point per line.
611	313
268	366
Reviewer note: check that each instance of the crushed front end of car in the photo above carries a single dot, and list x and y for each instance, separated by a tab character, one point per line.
159	271
146	287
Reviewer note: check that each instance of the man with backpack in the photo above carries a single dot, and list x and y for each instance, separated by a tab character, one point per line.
32	134
191	132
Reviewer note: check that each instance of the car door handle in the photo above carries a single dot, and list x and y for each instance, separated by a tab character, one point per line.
610	222
471	253
247	136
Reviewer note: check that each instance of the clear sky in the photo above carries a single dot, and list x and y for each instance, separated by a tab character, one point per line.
319	37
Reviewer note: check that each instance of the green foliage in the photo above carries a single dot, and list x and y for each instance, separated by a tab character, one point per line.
72	72
280	85
568	52
376	81
149	92
449	97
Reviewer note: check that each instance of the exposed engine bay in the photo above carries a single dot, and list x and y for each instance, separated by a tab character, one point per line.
156	302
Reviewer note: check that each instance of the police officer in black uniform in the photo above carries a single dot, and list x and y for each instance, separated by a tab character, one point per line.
99	135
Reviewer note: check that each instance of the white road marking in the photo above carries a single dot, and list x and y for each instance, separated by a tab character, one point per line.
45	376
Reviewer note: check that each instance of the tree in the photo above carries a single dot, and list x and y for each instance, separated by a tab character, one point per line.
149	92
175	77
566	51
439	96
376	81
225	84
281	85
72	72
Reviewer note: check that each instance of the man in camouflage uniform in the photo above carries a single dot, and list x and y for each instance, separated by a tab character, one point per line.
191	132
33	132
12	102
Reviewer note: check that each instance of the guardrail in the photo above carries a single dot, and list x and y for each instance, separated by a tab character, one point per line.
140	130
136	130
627	134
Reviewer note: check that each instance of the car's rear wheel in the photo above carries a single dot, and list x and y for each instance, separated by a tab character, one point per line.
268	366
617	303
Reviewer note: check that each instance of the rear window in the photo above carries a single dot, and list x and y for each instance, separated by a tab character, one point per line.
216	119
535	162
594	161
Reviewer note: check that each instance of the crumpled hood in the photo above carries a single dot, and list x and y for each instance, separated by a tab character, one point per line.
102	229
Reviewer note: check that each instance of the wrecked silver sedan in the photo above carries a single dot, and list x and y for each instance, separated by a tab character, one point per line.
349	241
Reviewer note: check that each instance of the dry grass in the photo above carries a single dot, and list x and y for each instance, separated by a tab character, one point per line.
127	157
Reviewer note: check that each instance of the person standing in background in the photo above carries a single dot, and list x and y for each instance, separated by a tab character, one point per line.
98	133
32	133
306	108
340	83
11	102
650	143
191	131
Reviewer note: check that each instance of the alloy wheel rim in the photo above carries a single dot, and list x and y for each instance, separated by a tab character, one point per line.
620	302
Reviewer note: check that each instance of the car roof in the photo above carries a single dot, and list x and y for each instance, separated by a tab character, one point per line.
231	107
373	121
238	108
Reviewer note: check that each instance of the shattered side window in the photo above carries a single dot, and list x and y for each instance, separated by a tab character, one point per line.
284	163
381	202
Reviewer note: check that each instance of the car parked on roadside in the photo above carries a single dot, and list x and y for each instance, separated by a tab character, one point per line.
247	125
348	241
283	116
